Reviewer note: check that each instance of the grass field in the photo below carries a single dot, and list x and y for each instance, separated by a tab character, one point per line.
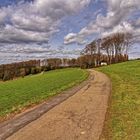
18	94
123	121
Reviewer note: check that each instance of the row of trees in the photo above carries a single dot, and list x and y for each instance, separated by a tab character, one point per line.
110	49
21	69
55	63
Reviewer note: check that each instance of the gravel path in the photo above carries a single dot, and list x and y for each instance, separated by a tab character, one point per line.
80	117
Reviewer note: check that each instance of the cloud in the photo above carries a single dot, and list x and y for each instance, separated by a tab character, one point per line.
136	23
26	27
124	27
21	52
71	37
35	21
116	19
10	34
2	16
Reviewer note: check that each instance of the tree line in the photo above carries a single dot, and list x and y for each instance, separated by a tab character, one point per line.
20	69
110	49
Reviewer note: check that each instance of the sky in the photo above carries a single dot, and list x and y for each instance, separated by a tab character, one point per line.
39	29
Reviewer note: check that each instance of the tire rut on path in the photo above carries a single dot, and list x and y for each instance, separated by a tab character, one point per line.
80	117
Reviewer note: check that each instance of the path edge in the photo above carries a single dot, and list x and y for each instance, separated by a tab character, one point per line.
107	114
9	127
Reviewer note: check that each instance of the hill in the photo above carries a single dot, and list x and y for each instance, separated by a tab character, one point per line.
124	112
18	94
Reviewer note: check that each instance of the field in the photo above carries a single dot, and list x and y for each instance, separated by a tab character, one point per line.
21	93
123	119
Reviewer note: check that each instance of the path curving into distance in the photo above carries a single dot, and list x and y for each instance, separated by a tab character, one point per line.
80	117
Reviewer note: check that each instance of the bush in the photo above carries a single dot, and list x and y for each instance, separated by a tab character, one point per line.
1	75
27	71
22	72
33	70
38	70
6	76
17	73
44	68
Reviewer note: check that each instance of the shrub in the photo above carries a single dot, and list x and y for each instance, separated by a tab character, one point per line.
27	71
22	72
38	69
1	75
6	76
33	70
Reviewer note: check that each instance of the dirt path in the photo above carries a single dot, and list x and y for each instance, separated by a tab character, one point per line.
81	117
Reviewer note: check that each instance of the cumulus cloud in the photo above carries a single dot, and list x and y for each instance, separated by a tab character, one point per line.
116	19
71	37
136	23
2	16
10	34
21	52
124	27
27	25
35	21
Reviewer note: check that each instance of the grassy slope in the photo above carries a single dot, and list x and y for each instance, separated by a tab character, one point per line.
123	122
14	95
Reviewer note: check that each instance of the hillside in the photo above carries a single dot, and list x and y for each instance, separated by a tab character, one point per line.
18	94
124	112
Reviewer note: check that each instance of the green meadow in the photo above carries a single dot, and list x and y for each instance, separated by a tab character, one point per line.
23	92
123	119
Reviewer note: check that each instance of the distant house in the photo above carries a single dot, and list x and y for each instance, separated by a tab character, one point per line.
103	63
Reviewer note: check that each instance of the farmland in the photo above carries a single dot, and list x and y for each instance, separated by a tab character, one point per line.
23	92
123	119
